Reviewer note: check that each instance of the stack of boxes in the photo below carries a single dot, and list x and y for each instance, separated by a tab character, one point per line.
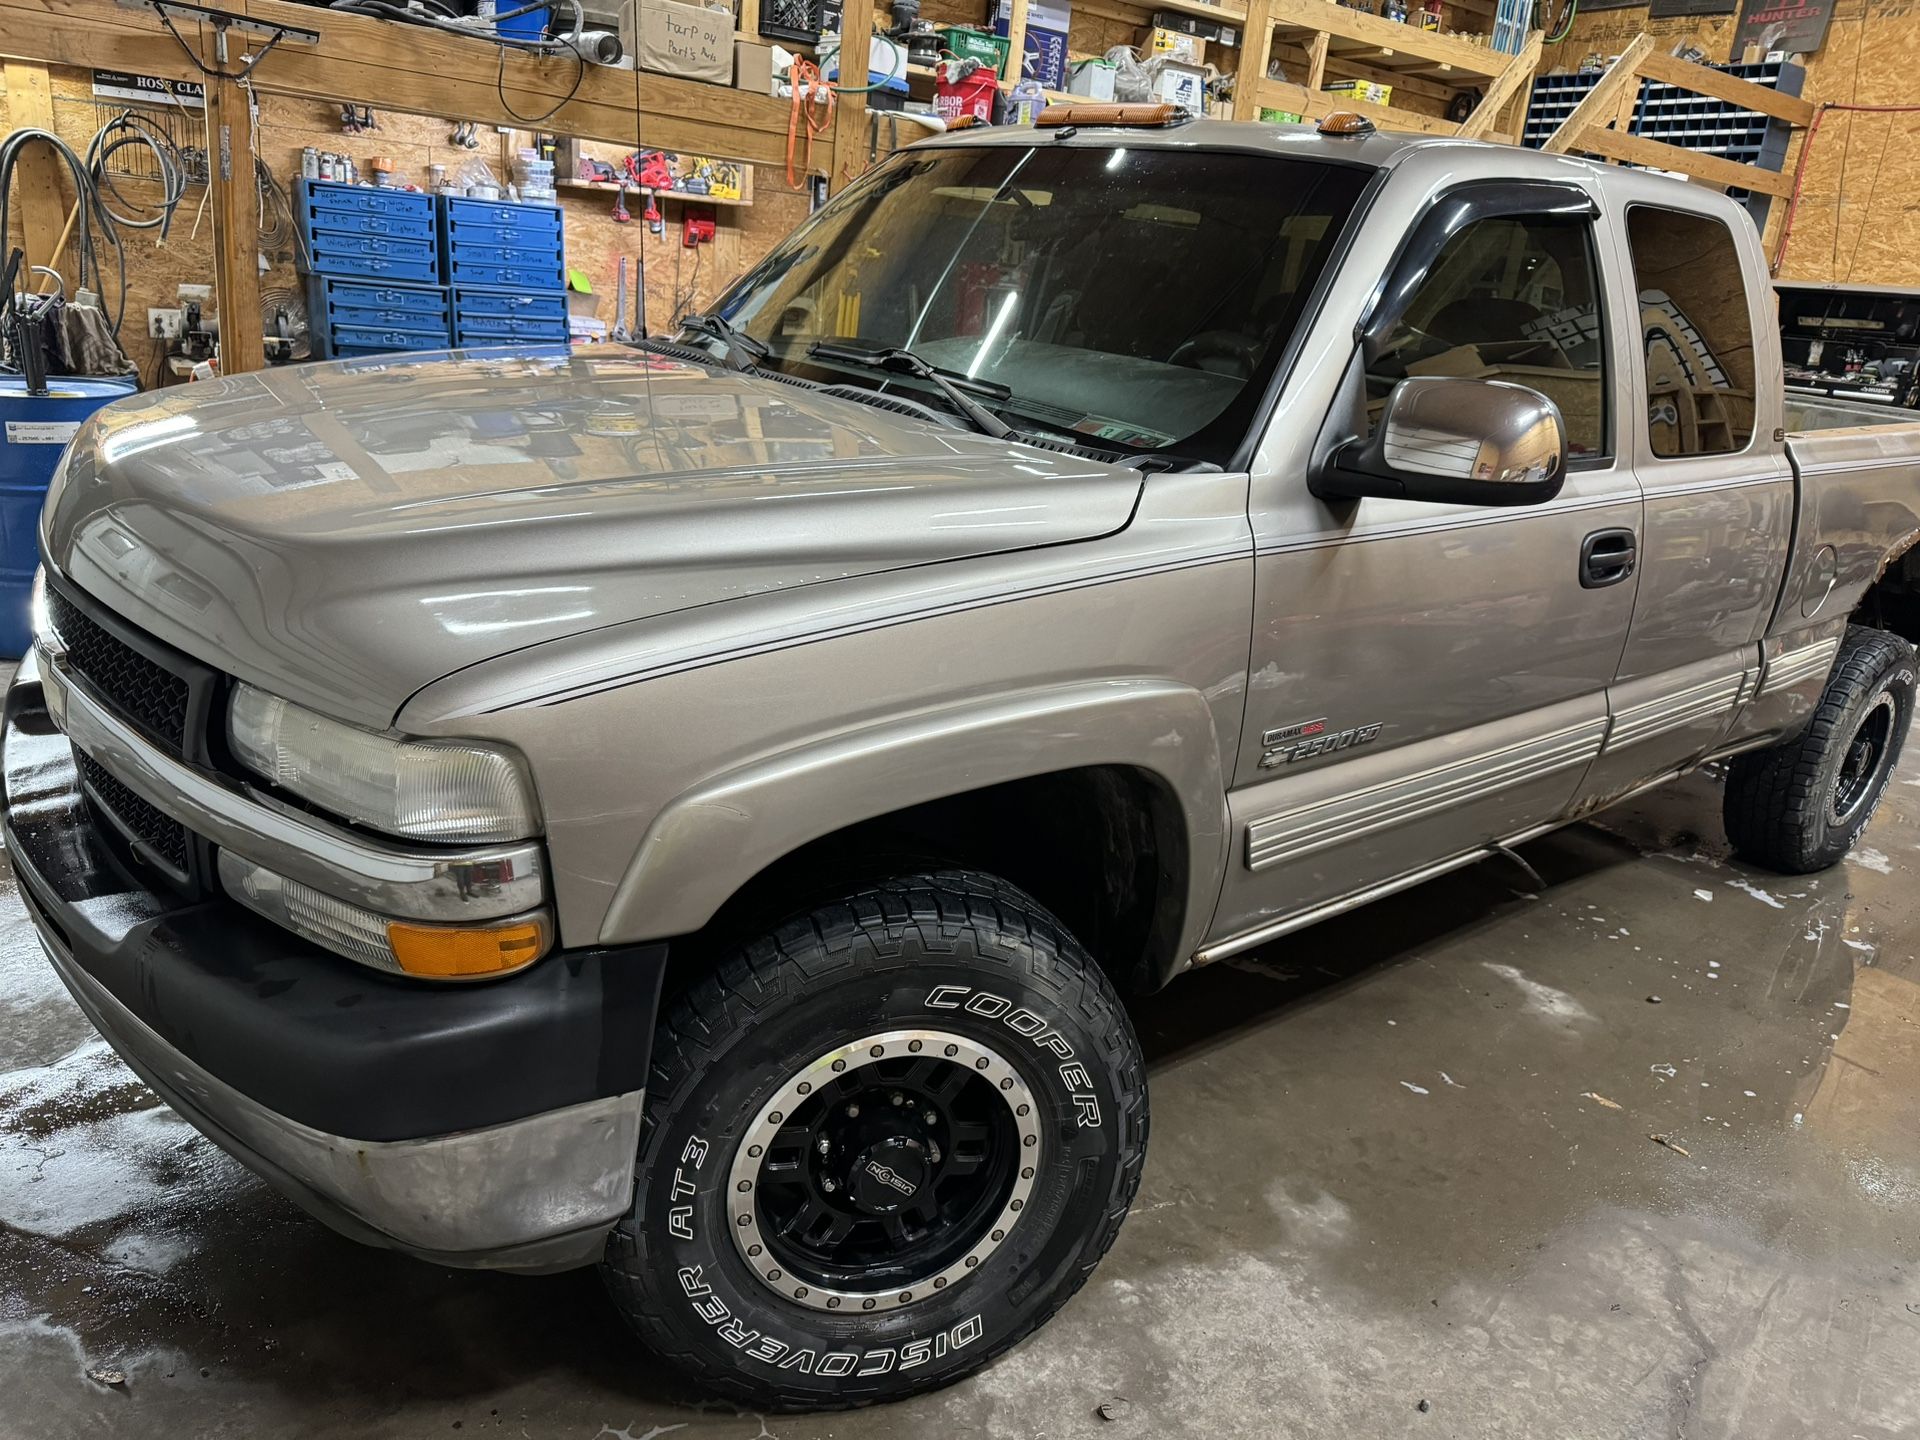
396	270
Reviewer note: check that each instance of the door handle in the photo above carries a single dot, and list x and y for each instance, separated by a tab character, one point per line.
1607	557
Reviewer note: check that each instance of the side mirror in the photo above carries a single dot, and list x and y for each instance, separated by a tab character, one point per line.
1457	442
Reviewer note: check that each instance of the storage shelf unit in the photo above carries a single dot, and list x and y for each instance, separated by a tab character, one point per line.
1401	47
1680	117
375	259
1342	42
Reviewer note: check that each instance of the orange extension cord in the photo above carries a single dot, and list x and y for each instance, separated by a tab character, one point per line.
806	80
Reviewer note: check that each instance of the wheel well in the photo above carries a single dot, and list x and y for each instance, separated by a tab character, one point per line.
1102	847
1894	601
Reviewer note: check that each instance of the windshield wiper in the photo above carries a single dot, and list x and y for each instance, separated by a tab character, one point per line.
743	351
905	362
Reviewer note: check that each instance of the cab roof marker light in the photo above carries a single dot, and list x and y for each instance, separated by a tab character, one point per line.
1344	122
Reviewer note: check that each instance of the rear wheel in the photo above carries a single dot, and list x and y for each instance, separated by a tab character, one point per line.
1801	805
884	1142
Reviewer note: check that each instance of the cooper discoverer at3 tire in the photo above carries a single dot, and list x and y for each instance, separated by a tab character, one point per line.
1799	806
885	1141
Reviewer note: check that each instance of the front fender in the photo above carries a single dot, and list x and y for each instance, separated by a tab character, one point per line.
706	844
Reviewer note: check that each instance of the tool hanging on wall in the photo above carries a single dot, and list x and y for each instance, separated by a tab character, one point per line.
621	215
620	332
652	171
358	119
464	136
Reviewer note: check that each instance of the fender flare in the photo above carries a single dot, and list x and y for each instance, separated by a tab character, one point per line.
713	839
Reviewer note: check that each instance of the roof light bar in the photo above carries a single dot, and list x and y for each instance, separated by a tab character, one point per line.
1150	116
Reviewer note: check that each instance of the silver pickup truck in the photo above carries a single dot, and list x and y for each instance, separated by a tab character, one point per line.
695	807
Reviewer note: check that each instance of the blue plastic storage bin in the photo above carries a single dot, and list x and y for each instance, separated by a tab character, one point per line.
34	431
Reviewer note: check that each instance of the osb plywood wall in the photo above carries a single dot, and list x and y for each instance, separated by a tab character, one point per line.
595	242
1859	213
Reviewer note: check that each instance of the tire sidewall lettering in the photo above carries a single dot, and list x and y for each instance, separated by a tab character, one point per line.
1031	1026
831	1364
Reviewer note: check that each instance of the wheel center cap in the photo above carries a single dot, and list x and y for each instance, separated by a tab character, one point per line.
888	1174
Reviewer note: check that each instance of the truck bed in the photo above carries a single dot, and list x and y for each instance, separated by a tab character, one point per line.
1857	473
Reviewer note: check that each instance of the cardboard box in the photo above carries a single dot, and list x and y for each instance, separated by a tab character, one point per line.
753	67
1182	85
1214	30
685	40
1367	90
1092	79
1270	116
1175	45
1045	57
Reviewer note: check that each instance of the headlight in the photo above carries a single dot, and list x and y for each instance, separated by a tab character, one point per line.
425	789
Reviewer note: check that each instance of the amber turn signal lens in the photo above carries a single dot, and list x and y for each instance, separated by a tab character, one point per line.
1345	122
445	952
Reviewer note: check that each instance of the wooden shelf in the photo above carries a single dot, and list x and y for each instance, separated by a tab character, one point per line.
1386	44
1312	104
1226	13
612	187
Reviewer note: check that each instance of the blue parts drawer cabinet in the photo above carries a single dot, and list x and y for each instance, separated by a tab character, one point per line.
500	244
391	270
355	317
370	233
495	317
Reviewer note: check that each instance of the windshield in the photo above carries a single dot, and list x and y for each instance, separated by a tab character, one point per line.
1133	299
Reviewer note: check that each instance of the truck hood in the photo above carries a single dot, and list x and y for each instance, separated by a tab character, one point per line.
346	533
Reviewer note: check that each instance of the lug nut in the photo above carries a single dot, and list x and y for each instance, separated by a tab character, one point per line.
826	1184
825	1145
853	1112
898	1098
931	1118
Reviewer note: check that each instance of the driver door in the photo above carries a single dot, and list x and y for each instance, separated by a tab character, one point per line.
1428	678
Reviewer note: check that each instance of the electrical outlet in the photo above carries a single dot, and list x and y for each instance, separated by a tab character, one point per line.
165	324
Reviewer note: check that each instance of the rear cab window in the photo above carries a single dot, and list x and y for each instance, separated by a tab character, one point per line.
1696	331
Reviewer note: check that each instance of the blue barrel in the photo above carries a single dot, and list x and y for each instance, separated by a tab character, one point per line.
34	431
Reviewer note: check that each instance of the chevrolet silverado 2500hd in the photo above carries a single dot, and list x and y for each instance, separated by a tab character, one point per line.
694	807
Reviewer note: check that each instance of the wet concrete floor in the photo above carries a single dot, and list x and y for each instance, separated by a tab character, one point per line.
1406	1156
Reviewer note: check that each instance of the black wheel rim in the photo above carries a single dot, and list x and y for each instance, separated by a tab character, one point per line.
885	1171
1863	766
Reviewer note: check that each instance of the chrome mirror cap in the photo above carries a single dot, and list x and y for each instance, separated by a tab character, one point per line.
1486	431
1455	441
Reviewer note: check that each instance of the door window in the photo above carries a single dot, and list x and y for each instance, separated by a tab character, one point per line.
1697	330
1514	298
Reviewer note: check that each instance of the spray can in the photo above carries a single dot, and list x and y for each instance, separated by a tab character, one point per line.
326	165
310	163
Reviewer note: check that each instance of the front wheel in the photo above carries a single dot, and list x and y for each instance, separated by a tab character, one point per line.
1800	805
884	1142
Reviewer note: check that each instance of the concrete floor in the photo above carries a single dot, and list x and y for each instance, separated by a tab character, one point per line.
1407	1156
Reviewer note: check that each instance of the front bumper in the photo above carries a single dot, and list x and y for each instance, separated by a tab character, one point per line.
485	1125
